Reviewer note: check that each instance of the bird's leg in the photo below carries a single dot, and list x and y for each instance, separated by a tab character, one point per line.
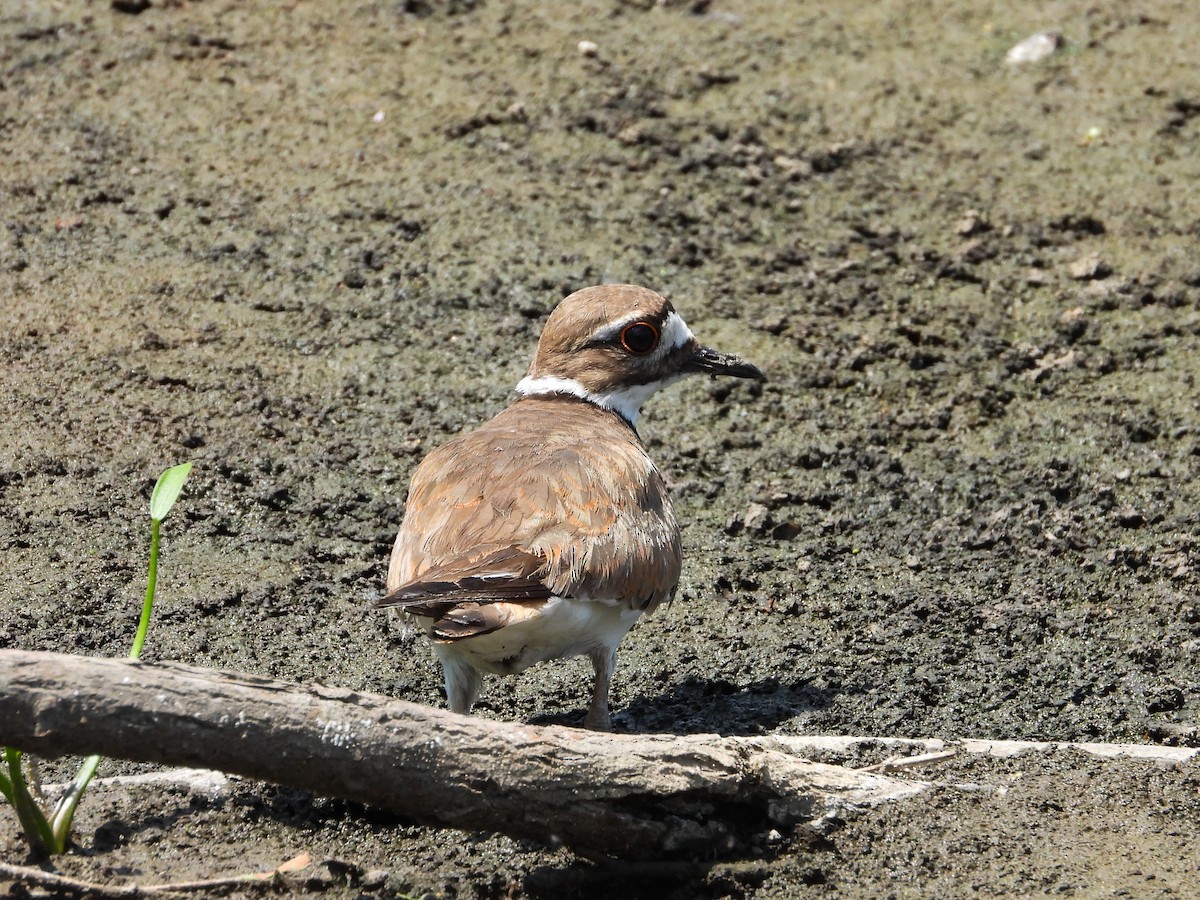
462	682
604	661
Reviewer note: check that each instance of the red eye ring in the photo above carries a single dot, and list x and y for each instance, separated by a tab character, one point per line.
640	337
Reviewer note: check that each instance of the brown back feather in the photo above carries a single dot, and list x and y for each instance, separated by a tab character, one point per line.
554	481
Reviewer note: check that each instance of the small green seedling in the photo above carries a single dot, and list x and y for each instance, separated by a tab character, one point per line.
48	834
166	492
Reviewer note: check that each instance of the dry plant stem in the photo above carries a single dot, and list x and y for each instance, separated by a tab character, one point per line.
63	885
629	796
897	763
816	743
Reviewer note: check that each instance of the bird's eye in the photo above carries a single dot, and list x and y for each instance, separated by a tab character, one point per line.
639	338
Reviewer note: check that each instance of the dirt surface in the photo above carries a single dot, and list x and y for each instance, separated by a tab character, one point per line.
301	244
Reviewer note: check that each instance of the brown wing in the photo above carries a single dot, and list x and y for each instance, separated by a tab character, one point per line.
553	496
505	575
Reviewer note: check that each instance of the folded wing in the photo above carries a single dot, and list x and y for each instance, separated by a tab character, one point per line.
572	520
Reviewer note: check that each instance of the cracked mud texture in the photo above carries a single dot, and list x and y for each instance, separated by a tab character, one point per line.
302	244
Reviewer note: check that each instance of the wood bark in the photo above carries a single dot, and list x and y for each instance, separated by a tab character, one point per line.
628	796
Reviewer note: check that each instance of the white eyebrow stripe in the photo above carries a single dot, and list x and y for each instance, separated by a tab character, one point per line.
675	332
610	330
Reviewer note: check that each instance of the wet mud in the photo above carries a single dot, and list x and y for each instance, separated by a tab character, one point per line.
302	244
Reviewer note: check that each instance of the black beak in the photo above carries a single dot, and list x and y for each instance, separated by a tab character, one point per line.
714	362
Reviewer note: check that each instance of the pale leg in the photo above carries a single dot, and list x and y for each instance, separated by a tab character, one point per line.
462	682
604	661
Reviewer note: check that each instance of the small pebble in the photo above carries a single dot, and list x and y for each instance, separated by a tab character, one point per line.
1088	268
1034	48
756	518
972	222
1129	517
374	879
1071	316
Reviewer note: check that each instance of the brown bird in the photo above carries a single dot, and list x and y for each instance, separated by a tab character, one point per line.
548	531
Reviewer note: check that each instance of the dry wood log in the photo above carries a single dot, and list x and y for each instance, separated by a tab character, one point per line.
629	796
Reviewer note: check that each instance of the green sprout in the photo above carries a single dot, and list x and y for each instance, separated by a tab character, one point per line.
48	834
166	492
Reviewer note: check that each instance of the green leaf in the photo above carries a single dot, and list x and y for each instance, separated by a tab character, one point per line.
167	490
33	821
64	811
6	788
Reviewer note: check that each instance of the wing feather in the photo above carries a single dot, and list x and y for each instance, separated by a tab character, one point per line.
509	574
552	497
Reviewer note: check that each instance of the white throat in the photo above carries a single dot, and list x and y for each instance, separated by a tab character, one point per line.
625	402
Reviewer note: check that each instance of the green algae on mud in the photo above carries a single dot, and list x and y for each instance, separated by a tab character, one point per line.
304	244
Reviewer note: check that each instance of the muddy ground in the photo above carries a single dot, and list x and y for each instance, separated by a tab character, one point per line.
301	244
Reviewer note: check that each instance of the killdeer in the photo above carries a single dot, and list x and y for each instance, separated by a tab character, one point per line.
548	531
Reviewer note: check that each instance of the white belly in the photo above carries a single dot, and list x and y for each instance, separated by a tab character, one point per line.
563	627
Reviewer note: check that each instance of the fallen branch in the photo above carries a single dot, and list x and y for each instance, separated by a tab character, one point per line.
631	796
